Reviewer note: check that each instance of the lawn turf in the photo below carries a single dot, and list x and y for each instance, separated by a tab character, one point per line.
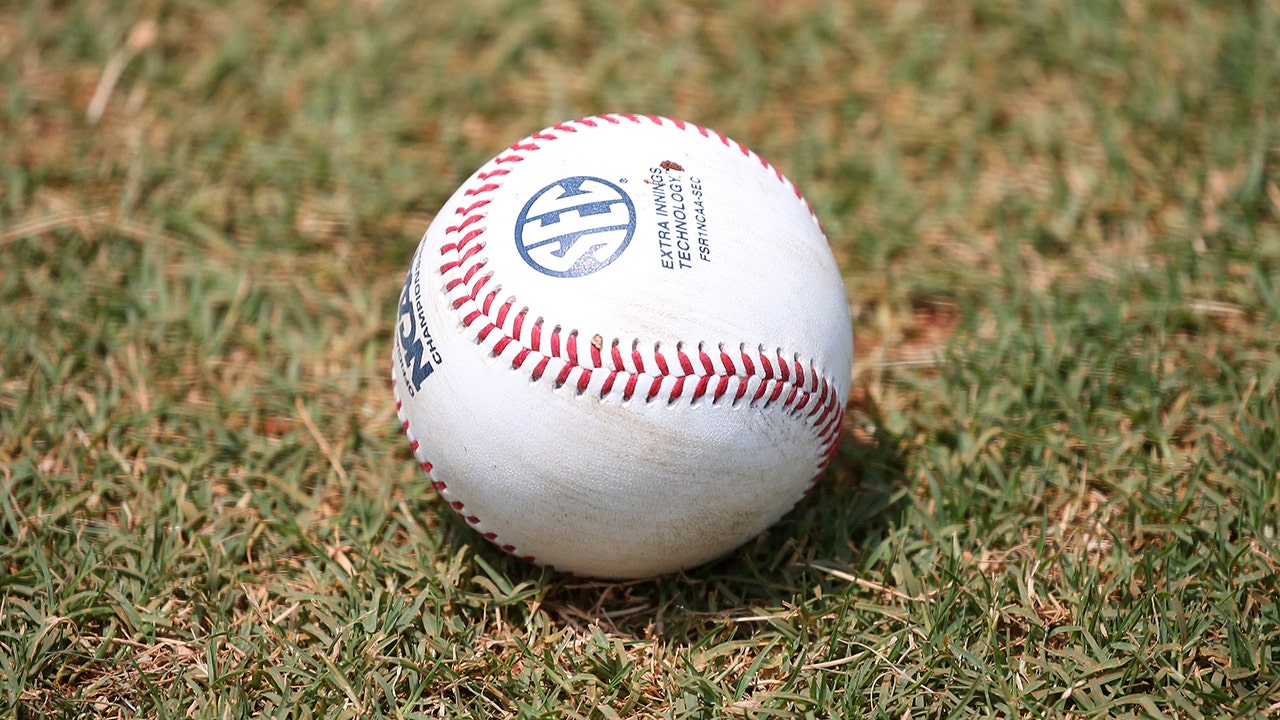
1059	489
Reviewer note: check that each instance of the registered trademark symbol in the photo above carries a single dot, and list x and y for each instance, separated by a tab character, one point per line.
622	180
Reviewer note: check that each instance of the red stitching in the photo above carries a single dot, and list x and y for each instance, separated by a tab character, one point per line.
473	207
702	387
684	362
555	341
760	391
662	363
677	390
791	396
777	392
471	250
571	347
469	237
595	353
540	368
802	403
482	189
822	399
832	427
563	377
518	323
819	422
465	222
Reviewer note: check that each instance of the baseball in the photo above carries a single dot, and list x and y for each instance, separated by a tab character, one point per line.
623	347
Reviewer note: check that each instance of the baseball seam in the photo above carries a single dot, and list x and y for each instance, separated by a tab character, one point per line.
755	377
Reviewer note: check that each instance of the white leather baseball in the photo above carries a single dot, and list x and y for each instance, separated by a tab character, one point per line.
623	347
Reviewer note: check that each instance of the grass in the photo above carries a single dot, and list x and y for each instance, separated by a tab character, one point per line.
1058	495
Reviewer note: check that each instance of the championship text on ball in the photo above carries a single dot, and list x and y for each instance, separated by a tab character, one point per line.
418	355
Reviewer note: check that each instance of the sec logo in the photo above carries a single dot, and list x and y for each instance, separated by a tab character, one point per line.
575	226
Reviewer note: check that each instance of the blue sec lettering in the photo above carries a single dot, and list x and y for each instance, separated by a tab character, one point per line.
575	226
